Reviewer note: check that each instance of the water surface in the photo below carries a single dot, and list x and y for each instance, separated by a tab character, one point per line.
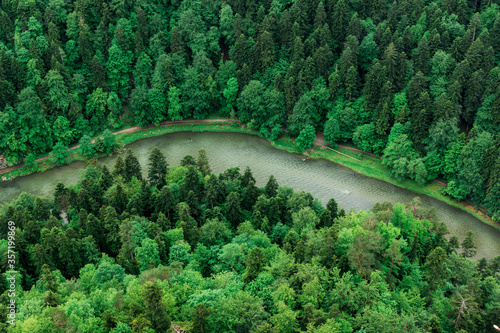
323	179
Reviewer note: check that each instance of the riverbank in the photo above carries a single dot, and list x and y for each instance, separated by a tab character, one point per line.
363	164
370	166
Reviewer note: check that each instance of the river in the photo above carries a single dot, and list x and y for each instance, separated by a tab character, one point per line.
323	179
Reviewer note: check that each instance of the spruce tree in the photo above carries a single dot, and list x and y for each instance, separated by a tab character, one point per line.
333	207
203	163
157	168
247	177
255	263
119	168
271	188
132	166
233	210
155	310
51	285
252	192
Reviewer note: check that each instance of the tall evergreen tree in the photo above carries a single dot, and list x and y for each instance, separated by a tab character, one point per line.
233	210
271	188
132	166
157	168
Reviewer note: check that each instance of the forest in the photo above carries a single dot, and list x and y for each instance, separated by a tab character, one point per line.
130	251
415	81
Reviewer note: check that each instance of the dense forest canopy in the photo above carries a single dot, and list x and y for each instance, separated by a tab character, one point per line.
415	81
132	251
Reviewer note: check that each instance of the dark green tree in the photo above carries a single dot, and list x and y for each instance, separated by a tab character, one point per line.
271	188
233	209
157	168
132	166
255	263
155	310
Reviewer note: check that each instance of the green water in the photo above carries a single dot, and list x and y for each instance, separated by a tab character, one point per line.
321	178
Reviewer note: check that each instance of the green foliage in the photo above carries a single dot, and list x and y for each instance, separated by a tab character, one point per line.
219	271
86	146
60	153
72	70
306	138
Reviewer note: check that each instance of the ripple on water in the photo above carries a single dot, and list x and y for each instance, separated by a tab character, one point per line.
321	178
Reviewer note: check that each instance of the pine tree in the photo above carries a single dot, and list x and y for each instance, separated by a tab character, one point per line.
351	83
176	43
374	81
325	219
339	19
188	225
416	86
194	206
320	18
422	56
241	51
383	122
106	179
200	318
247	177
192	182
157	168
334	85
468	245
421	117
244	75
285	28
98	73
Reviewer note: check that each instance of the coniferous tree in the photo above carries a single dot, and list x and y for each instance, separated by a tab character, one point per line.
203	163
252	192
233	210
255	263
132	166
155	309
119	168
51	285
271	188
157	168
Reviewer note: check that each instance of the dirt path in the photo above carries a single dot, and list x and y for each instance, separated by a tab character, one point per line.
320	141
133	129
